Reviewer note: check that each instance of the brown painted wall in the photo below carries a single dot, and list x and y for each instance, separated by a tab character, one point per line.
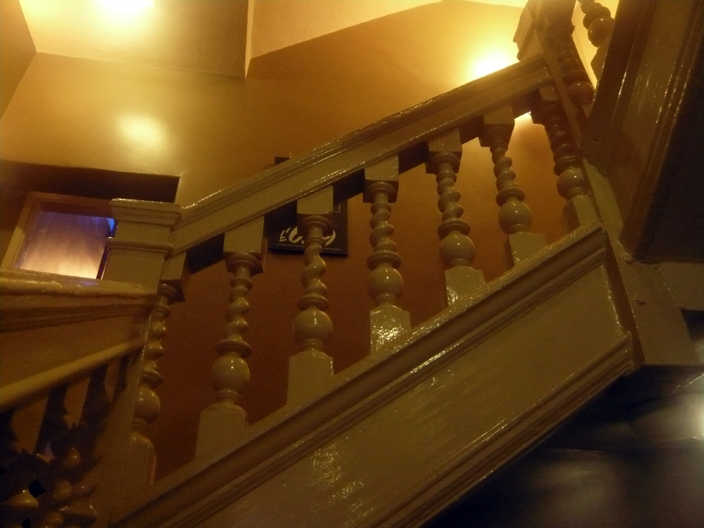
213	131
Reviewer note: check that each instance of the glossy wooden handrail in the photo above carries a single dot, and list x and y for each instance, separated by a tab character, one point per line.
404	134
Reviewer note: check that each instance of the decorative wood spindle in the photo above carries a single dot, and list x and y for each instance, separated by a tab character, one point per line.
55	438
599	24
19	469
579	87
515	216
312	327
80	513
387	320
141	463
545	28
456	248
222	422
570	174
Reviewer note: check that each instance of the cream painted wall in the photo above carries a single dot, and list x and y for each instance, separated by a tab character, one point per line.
161	121
16	49
281	23
213	131
210	36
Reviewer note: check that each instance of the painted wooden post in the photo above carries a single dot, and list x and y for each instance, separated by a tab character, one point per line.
456	248
568	165
141	458
20	470
515	216
312	327
223	421
387	320
55	438
141	241
600	25
80	512
546	28
137	254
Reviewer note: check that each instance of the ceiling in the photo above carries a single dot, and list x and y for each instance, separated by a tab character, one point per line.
214	36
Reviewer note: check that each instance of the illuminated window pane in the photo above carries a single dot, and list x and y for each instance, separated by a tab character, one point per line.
66	244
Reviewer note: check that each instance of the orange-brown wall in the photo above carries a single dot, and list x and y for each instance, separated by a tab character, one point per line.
214	131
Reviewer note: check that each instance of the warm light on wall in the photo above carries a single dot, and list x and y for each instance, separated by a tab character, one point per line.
142	132
126	7
489	62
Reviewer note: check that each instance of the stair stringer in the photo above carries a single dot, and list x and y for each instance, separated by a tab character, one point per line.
399	436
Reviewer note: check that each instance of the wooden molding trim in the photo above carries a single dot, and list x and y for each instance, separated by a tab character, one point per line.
89	182
680	106
482	457
403	134
33	300
203	487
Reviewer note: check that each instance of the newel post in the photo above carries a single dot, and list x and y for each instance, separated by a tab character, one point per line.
138	254
141	241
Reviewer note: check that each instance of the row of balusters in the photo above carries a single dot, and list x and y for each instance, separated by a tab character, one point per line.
311	367
51	486
54	487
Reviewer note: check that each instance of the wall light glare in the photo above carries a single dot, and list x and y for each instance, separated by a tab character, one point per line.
142	131
126	7
487	63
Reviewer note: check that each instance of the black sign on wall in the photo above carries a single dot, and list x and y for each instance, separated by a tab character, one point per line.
284	236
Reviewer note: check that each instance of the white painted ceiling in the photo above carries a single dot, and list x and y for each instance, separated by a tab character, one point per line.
213	36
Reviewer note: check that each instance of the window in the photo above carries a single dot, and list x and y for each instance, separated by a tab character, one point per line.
60	234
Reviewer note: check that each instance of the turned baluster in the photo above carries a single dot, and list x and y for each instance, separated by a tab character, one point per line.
312	327
575	77
19	469
387	320
456	248
546	28
141	463
223	421
599	24
80	513
514	216
568	167
55	439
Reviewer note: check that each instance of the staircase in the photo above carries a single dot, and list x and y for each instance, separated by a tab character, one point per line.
394	439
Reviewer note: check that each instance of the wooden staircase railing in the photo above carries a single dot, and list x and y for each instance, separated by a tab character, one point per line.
230	224
398	436
67	345
156	244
